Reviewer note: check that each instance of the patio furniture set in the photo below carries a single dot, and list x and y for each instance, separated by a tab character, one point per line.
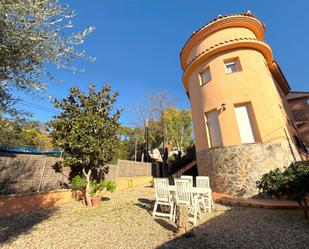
183	193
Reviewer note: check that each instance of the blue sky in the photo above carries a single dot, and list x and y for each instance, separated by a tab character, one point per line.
137	45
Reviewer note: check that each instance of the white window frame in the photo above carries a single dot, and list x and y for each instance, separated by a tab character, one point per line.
235	62
207	70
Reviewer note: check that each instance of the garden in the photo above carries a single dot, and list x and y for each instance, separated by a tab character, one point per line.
124	220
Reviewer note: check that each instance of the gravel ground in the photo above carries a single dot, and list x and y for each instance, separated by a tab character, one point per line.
125	221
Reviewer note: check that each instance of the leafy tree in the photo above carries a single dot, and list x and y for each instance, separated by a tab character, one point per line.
128	138
152	113
33	35
86	130
167	125
23	133
291	183
178	127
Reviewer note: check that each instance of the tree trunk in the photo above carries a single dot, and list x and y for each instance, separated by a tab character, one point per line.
87	196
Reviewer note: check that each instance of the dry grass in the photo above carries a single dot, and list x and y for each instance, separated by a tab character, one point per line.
125	221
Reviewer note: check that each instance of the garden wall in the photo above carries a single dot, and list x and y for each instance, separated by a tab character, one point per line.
24	173
23	203
126	168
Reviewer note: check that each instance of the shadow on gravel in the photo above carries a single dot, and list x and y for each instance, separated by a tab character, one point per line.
106	199
148	206
166	225
240	227
12	227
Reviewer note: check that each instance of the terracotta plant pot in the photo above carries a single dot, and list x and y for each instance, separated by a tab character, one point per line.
96	201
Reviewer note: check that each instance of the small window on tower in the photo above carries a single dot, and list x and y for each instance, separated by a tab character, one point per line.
205	76
232	65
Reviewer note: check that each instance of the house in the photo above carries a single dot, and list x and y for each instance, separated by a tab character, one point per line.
242	121
299	105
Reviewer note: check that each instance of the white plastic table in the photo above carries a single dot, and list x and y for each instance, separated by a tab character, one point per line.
195	190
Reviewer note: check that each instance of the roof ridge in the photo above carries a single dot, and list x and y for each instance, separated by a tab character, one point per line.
248	13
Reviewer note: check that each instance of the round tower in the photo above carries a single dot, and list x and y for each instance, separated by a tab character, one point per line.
237	93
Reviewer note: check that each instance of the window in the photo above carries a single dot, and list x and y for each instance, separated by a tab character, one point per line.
205	76
213	129
232	66
244	117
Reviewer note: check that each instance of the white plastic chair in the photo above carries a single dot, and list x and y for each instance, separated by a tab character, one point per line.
190	178
163	197
184	196
204	199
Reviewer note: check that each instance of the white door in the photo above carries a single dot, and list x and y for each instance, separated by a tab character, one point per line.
246	129
214	129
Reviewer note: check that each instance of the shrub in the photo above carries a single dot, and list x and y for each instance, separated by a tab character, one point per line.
97	188
78	183
291	183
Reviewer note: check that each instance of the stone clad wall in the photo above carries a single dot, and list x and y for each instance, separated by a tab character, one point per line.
234	170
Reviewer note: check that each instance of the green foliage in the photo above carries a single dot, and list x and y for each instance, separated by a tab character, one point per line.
291	183
78	183
24	134
33	35
128	137
87	127
86	130
98	187
168	127
178	127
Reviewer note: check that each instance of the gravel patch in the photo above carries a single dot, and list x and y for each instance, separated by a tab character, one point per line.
125	221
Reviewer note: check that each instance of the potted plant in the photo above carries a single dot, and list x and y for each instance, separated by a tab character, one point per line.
98	189
79	184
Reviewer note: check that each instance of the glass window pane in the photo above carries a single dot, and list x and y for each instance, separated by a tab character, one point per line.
231	67
205	77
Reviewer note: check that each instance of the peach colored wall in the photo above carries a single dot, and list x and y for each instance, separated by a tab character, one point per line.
302	104
18	204
253	84
217	37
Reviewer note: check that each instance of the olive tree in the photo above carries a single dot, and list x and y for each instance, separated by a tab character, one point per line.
87	130
33	35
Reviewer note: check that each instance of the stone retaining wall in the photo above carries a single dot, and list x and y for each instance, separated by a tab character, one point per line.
234	170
